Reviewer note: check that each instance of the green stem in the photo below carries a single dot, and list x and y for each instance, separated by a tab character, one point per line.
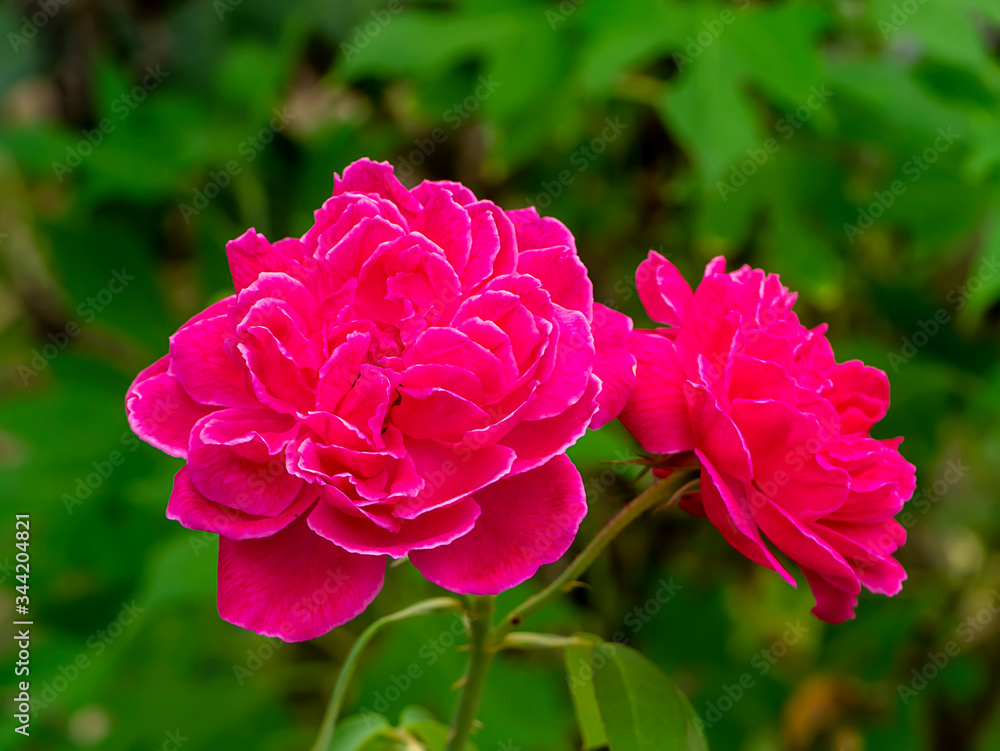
669	490
480	657
427	607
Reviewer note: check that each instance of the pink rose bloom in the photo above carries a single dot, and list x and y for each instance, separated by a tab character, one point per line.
781	429
403	380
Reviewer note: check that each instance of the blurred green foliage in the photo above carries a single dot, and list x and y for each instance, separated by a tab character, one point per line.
853	147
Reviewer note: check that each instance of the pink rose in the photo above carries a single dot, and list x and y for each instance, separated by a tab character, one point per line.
780	428
401	381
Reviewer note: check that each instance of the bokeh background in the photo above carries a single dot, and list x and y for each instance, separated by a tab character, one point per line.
853	147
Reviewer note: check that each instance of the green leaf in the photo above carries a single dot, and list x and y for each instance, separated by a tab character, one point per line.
581	685
778	49
433	734
710	113
354	732
626	33
642	710
386	739
413	715
696	739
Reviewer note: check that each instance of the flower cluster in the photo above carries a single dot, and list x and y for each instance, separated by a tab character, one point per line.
404	381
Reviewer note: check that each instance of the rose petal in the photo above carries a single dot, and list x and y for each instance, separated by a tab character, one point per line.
725	503
160	412
664	292
377	178
614	365
251	254
657	410
357	534
562	275
294	585
527	521
534	231
237	458
200	361
194	511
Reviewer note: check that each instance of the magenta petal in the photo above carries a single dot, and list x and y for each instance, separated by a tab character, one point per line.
160	412
435	413
338	374
451	474
834	603
342	263
657	410
199	358
195	511
614	364
251	255
869	552
803	545
562	275
377	178
448	226
429	188
574	358
750	378
534	231
717	434
536	441
237	459
494	243
342	214
779	438
726	505
358	534
860	394
527	521
294	585
663	291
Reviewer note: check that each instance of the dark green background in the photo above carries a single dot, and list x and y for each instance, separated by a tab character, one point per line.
556	76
